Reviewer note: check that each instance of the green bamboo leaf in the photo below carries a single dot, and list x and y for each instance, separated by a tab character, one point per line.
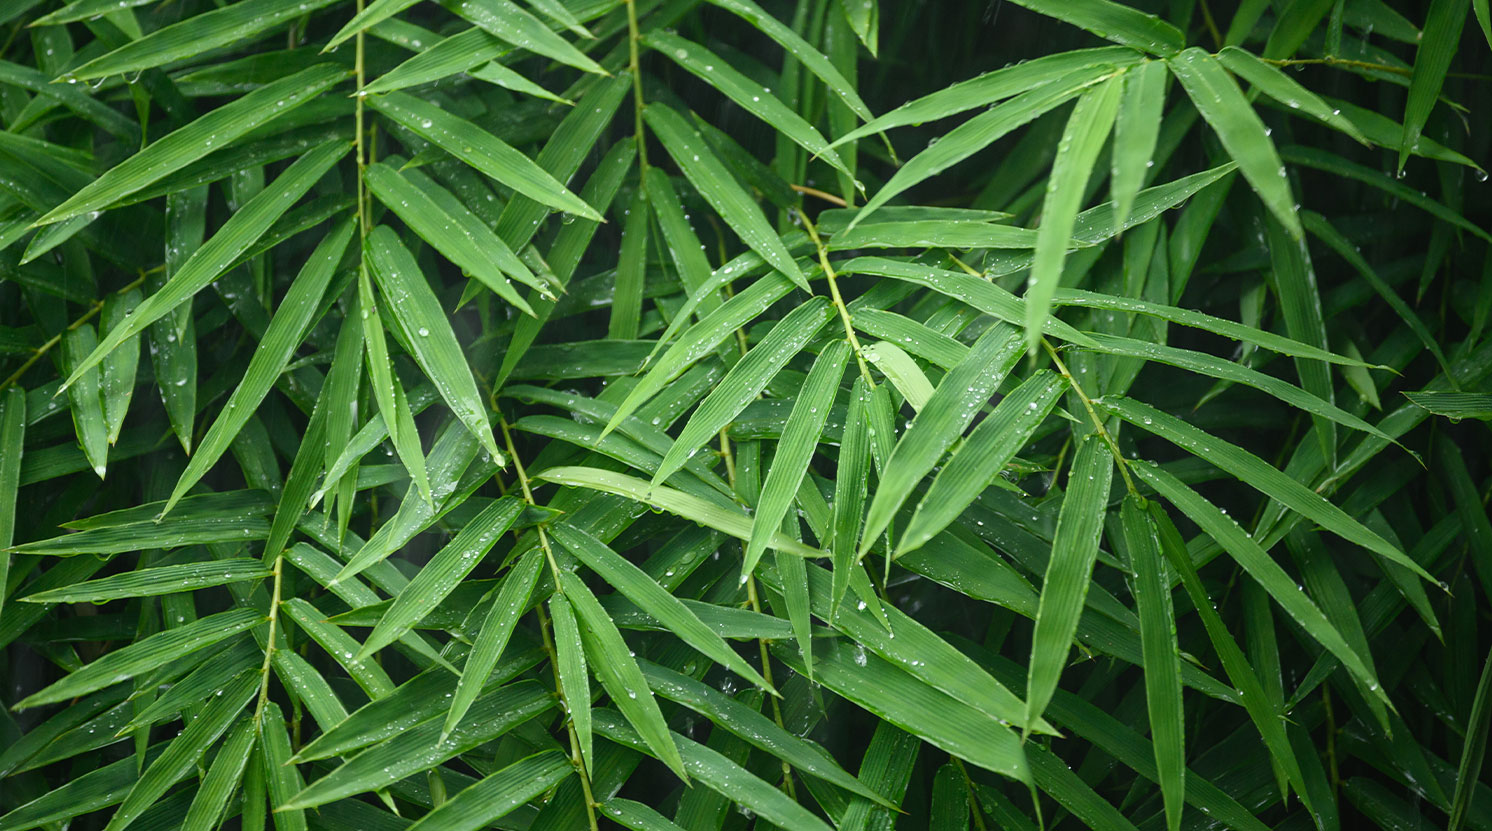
492	639
459	236
949	805
145	535
117	385
902	700
1474	750
745	381
370	16
720	774
173	341
612	661
984	129
497	795
1217	97
1077	154
1135	131
217	129
461	52
635	584
282	777
952	406
1069	571
195	35
1281	87
573	675
1437	46
222	779
637	816
981	457
751	96
805	426
1336	165
436	349
481	150
185	751
1453	405
342	647
718	187
70	96
85	397
1198	320
631	271
219	253
851	486
418	748
150	582
509	21
1257	562
1152	593
930	233
990	87
12	449
1116	22
1204	364
1260	475
393	406
441	575
144	655
901	371
799	48
756	729
981	294
293	317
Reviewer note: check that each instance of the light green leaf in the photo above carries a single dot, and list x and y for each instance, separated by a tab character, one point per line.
1263	569
1069	572
509	21
718	187
497	795
1116	22
85	397
442	573
1453	405
217	129
805	426
12	449
1152	592
572	674
370	16
1437	46
981	458
1220	101
1260	475
150	582
342	647
983	130
799	48
745	381
901	371
612	661
482	150
635	584
293	317
222	779
1281	87
219	253
497	628
751	96
413	303
1077	154
144	655
949	411
1135	130
117	385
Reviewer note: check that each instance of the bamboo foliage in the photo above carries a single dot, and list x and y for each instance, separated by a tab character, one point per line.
714	414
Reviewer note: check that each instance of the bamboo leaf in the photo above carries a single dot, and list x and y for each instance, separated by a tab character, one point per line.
151	582
414	305
1069	571
1087	130
497	795
1220	101
700	165
492	639
617	670
1136	129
